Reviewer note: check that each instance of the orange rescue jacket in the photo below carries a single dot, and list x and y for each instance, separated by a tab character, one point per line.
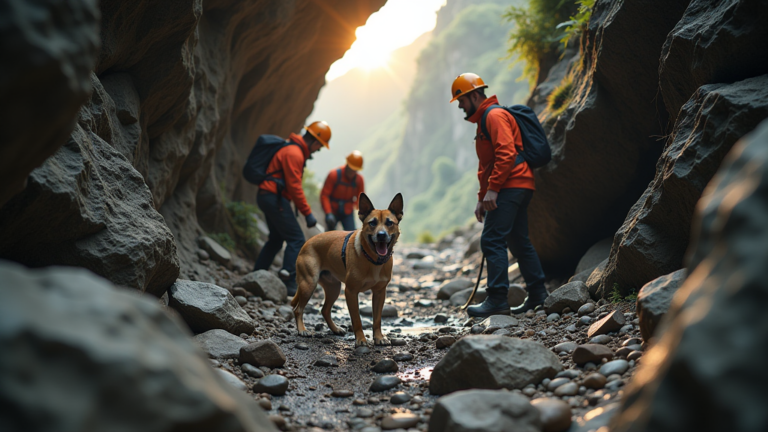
288	163
341	191
496	169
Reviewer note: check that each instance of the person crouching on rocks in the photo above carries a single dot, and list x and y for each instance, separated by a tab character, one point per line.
506	188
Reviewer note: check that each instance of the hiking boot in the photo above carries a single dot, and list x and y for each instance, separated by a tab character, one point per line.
536	297
491	306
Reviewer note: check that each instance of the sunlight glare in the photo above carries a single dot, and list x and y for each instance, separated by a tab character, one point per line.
397	24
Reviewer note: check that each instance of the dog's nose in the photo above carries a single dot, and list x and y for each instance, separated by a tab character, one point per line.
382	236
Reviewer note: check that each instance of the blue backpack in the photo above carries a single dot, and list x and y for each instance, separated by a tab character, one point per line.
255	169
536	149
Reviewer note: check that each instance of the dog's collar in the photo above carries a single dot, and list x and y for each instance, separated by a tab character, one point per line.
380	259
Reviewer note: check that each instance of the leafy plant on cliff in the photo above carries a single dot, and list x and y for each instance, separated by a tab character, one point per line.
561	96
536	35
573	28
244	222
223	239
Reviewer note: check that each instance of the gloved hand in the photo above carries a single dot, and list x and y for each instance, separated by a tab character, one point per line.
330	221
311	221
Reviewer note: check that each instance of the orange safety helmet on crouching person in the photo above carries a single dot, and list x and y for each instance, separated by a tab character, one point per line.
466	83
355	160
321	131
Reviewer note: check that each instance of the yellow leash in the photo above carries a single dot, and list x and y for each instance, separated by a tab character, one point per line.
474	291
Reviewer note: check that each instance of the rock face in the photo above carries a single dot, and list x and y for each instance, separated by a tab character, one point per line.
714	42
84	339
50	51
583	195
264	284
594	256
694	378
181	92
484	410
654	299
205	306
654	236
493	362
571	295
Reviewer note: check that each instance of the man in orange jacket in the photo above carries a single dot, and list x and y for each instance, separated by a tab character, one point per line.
275	194
506	188
340	191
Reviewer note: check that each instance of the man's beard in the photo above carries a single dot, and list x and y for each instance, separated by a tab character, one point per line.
472	110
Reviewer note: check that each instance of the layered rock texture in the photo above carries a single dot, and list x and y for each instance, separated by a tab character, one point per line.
181	90
707	370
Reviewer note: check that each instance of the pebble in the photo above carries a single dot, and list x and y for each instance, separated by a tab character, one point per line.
342	393
358	402
364	413
594	381
610	323
614	367
586	309
385	366
568	373
265	404
327	361
634	355
566	347
424	303
241	300
400	398
477	329
632	341
398	342
569	389
402	357
555	414
232	379
399	421
361	350
591	353
272	384
252	370
384	383
557	382
444	341
441	318
301	346
553	317
389	311
614	385
572	328
585	320
278	420
600	339
370	429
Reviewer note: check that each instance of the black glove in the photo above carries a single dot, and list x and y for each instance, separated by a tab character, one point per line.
311	221
330	221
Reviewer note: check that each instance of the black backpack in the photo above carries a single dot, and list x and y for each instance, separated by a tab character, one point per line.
536	150
255	169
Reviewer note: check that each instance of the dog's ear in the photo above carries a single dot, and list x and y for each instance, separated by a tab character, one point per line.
396	206
364	207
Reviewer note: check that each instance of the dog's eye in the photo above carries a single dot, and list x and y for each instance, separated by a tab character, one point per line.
373	223
389	223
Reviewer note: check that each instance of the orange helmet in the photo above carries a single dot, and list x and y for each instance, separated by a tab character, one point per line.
355	160
321	131
466	83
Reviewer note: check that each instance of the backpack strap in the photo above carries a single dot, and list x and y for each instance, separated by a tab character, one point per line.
344	249
484	129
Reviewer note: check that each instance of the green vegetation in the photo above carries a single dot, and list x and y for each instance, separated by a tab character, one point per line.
561	96
223	239
425	237
536	36
244	223
578	23
310	186
616	296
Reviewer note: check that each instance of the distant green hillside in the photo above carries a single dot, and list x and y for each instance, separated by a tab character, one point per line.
426	150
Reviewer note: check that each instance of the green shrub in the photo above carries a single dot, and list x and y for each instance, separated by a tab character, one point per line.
561	96
426	237
243	217
615	294
223	239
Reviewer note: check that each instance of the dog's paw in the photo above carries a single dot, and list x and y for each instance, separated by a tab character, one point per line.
361	342
339	332
305	333
382	341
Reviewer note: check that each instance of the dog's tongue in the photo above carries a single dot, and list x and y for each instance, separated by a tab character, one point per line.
381	248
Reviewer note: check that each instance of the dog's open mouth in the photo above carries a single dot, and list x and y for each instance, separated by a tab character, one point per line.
381	247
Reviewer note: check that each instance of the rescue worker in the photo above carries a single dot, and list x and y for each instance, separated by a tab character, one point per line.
340	191
506	189
288	168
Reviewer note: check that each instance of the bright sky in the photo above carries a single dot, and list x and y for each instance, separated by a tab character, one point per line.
397	24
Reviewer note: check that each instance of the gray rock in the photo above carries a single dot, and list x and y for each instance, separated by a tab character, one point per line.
426	263
264	284
444	342
220	344
450	287
385	366
601	339
252	370
492	362
557	382
569	389
499	321
399	421
398	342
555	414
460	298
484	411
723	296
586	309
441	318
327	361
285	312
362	350
594	256
275	385
610	323
389	311
654	299
102	337
217	252
263	353
594	381
571	295
516	295
594	280
566	347
400	398
205	306
594	353
401	357
384	383
232	380
553	317
477	329
423	303
614	367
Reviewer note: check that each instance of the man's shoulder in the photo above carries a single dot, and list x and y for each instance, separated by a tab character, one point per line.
500	116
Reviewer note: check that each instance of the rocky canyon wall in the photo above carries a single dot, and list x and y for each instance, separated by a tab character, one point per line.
181	90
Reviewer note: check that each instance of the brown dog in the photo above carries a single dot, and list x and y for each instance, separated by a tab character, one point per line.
361	259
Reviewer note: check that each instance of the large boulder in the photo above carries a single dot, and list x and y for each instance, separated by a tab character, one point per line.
79	354
571	295
707	369
264	284
715	41
603	144
654	237
49	50
205	306
594	256
654	299
493	362
484	411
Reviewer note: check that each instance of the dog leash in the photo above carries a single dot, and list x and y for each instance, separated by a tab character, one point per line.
344	249
474	291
